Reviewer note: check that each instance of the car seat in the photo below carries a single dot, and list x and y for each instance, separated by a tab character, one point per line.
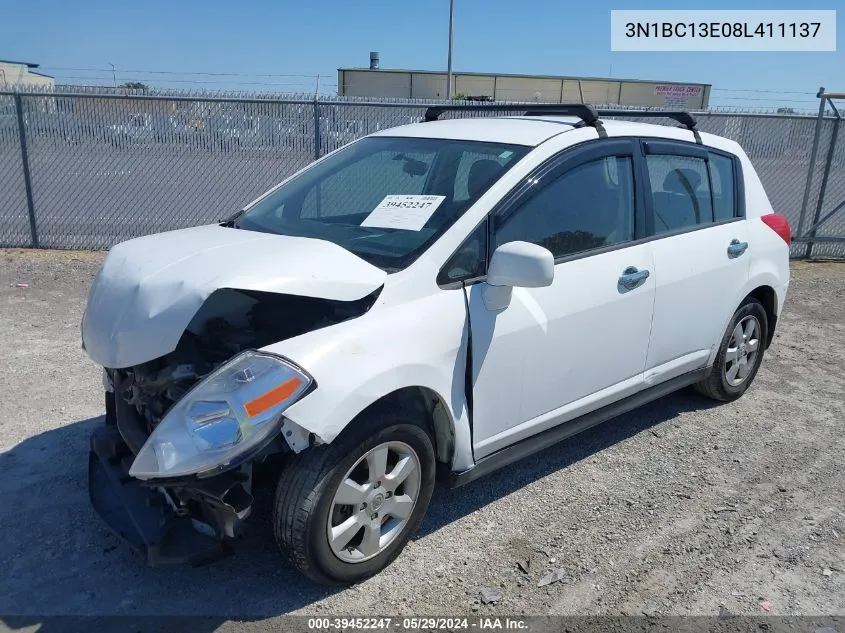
680	204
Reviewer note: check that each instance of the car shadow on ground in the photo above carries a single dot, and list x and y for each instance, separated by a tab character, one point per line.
63	560
448	505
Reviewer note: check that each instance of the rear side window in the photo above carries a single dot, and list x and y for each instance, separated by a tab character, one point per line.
722	180
680	189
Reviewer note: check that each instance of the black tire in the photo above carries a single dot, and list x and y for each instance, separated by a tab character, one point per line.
111	408
716	385
308	484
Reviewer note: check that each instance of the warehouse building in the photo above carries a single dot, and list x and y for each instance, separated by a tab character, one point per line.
425	84
23	74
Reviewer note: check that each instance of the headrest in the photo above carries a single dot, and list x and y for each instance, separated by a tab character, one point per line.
684	181
481	173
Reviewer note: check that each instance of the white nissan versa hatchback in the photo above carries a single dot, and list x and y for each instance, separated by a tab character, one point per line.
450	296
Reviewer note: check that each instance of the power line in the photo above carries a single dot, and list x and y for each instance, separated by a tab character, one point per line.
174	72
754	90
190	81
769	99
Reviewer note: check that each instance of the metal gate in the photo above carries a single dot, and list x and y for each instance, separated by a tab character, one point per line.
821	225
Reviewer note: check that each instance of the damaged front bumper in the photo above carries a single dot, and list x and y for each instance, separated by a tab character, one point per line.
189	521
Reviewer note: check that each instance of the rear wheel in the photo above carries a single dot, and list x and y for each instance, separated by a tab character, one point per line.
740	354
345	511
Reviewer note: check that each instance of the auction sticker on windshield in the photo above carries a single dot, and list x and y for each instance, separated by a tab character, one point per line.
408	212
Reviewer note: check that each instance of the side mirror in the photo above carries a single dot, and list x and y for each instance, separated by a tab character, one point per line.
520	265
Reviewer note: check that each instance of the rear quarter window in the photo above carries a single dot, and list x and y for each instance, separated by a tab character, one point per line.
723	187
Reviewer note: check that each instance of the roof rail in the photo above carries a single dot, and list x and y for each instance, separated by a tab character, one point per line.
684	118
586	113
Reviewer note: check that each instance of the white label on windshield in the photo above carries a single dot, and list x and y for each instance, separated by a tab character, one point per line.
408	212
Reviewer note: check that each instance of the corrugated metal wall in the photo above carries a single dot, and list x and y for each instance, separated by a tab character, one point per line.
425	85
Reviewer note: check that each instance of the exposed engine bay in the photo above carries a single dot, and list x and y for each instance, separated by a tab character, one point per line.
230	321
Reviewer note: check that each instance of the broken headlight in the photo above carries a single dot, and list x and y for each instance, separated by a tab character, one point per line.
235	409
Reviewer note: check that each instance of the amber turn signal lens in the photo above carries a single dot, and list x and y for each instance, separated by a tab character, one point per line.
271	398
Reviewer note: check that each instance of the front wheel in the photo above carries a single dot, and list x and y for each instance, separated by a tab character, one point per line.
345	511
740	354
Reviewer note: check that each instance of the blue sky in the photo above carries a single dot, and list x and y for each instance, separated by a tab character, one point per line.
256	44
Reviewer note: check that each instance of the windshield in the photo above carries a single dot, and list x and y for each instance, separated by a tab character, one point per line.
386	199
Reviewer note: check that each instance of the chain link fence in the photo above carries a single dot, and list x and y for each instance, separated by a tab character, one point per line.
89	170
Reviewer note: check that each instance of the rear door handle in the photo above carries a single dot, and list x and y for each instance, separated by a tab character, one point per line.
736	248
631	277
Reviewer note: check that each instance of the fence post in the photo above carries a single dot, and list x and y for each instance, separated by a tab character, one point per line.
812	165
316	129
27	180
823	187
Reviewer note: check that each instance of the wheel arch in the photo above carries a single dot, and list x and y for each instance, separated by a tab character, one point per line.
767	296
762	291
430	408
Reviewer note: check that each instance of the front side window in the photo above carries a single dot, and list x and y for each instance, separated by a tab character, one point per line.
385	199
680	191
469	261
588	207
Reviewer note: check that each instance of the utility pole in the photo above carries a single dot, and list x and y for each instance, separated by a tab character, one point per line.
317	88
449	71
113	75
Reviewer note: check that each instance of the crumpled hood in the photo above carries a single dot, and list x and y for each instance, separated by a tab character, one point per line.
150	288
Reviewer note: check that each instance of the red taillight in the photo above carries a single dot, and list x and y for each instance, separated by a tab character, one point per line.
780	225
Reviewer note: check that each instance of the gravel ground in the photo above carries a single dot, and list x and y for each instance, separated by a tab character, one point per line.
678	508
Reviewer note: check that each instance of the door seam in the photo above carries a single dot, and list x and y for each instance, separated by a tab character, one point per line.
468	371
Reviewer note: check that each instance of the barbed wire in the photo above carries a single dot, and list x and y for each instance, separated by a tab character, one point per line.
302	91
107	76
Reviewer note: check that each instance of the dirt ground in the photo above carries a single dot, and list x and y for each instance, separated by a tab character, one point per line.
677	508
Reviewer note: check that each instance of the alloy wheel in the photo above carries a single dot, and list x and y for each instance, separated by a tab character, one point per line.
374	501
743	348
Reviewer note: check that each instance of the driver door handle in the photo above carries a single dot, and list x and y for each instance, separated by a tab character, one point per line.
632	277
